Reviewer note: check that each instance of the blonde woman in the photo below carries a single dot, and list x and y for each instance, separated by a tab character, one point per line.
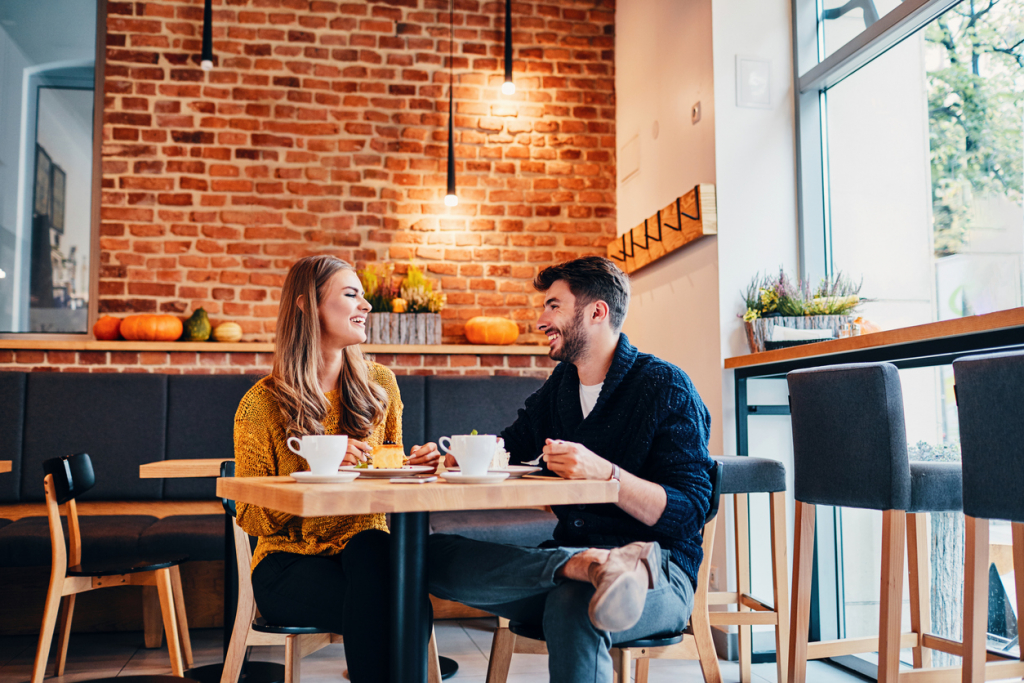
327	572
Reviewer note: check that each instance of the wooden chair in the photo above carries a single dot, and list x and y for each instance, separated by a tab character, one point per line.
511	637
741	476
66	479
251	629
850	450
988	390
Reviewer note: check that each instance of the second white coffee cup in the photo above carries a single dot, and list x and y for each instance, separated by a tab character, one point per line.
324	453
473	452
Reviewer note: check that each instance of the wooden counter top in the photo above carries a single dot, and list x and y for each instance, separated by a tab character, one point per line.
263	347
1013	317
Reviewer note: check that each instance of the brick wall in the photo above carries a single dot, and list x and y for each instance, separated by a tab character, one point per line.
215	362
323	128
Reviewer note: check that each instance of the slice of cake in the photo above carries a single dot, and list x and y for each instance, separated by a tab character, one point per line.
388	456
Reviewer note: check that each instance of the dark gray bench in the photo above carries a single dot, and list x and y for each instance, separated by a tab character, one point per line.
126	420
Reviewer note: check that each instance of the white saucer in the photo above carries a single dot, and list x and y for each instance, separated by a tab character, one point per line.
459	478
310	478
375	473
513	471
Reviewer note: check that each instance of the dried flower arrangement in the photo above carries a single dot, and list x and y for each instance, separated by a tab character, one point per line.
389	295
769	295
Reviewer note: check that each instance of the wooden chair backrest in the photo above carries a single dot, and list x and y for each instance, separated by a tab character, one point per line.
62	557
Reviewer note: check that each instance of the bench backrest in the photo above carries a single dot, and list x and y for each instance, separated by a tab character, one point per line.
126	420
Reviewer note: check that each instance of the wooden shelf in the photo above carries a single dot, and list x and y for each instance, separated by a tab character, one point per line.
1013	317
263	347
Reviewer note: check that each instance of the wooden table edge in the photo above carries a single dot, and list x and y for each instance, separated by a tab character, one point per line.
957	327
288	495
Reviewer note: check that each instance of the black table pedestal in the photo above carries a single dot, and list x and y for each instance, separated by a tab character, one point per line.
409	639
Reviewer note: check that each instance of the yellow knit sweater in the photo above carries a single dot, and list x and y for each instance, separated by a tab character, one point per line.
261	451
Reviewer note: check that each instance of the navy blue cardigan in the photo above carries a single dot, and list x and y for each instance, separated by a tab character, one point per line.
650	421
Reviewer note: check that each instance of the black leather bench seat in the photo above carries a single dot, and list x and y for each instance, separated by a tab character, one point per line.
26	542
201	537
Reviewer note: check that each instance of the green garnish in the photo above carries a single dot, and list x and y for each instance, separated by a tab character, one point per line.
363	465
473	433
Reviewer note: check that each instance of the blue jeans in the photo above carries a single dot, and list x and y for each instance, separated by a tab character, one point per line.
519	583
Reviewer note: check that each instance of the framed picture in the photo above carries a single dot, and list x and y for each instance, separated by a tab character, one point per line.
43	182
57	215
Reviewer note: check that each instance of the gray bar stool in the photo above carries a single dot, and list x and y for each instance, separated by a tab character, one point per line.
850	450
741	476
988	392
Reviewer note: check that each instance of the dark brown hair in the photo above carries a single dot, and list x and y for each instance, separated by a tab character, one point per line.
590	279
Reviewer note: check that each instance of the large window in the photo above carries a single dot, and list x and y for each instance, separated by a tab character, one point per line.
48	164
911	160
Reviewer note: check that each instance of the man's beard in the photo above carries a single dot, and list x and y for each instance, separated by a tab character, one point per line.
574	341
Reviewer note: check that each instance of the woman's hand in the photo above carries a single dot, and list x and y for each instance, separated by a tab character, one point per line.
427	454
357	452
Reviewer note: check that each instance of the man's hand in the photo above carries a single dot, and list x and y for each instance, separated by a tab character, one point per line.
575	461
427	454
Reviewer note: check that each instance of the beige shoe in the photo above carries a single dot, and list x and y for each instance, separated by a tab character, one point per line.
622	582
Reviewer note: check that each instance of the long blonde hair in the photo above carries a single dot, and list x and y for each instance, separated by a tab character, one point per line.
297	359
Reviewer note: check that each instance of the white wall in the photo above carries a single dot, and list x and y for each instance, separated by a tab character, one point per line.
663	66
669	55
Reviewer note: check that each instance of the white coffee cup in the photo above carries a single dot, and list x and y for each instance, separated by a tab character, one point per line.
473	452
324	453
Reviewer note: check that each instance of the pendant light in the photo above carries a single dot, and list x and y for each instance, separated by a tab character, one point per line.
207	55
508	87
451	199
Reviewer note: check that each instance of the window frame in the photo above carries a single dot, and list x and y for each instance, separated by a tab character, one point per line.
99	78
813	77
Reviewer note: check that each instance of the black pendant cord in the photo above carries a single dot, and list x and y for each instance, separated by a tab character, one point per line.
508	85
451	199
207	53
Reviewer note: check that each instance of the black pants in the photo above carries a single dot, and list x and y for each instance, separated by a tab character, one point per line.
348	593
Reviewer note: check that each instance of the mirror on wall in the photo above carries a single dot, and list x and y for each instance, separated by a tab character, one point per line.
47	103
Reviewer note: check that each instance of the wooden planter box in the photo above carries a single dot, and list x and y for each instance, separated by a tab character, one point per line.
760	330
403	328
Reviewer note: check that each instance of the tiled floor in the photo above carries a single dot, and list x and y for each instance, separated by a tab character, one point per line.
468	642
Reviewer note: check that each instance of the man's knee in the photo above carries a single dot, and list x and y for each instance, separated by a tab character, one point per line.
566	608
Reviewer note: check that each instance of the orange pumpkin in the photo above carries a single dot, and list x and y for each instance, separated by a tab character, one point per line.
151	328
487	330
107	328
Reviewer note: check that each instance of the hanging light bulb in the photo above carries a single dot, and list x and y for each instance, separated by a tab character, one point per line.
207	55
508	87
451	199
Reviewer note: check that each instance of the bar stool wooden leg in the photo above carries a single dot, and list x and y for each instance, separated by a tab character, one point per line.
741	520
502	648
894	532
67	611
292	659
642	669
918	566
164	589
1018	570
975	598
50	612
179	609
780	582
152	621
623	668
803	559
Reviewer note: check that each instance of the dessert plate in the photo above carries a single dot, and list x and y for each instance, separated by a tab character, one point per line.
374	473
459	478
310	478
513	471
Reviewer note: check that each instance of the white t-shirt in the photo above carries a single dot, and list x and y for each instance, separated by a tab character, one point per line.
588	397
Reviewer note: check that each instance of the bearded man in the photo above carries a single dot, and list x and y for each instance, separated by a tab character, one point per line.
612	572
